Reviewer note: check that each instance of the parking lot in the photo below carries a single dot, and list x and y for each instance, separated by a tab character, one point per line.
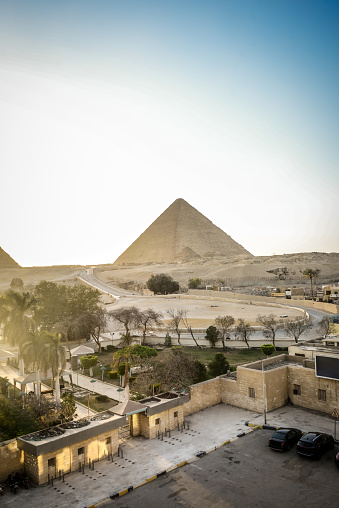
243	473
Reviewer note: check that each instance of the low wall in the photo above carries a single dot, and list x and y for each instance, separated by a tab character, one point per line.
11	458
203	395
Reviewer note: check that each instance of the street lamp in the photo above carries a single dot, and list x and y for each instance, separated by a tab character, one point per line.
93	381
112	335
22	395
8	386
120	390
102	372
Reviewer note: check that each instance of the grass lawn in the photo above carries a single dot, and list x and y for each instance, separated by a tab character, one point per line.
95	404
234	356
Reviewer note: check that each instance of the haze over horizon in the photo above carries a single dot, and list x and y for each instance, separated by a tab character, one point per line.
111	110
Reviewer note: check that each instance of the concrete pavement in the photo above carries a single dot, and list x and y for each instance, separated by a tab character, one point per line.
98	387
144	459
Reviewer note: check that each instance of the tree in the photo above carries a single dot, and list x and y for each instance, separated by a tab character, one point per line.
53	356
188	327
311	274
68	407
16	317
162	284
267	349
295	328
270	326
129	317
33	350
219	365
325	327
92	323
224	325
212	335
244	331
88	362
148	319
194	283
176	316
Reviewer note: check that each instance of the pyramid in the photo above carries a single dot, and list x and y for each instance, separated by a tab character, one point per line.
180	234
6	261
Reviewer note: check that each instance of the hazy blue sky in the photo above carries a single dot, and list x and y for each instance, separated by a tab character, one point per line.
110	110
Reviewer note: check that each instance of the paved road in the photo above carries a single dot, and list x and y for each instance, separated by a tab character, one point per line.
98	387
88	277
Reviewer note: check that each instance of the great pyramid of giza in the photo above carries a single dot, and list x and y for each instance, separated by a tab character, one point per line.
180	234
6	261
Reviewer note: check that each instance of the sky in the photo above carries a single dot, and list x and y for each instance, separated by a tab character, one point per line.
112	109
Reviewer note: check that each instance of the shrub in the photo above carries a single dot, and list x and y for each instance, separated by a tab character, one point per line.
112	374
132	378
102	398
219	365
168	340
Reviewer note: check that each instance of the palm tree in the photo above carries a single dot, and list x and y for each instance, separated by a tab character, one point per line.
32	349
311	274
16	318
53	356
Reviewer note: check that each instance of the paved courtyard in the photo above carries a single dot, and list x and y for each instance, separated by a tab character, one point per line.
145	459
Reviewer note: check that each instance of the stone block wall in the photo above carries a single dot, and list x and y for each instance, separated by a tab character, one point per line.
309	390
203	395
67	459
11	458
160	422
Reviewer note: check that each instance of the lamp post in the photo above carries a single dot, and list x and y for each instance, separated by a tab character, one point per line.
102	372
8	386
22	395
120	390
112	335
93	381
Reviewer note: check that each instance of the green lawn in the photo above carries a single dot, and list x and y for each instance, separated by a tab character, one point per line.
95	404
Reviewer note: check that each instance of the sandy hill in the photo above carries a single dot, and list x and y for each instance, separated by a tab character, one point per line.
180	234
6	261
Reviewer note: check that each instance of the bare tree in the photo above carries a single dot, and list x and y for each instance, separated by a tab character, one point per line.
129	317
244	331
92	323
148	319
188	327
270	326
224	325
325	327
176	316
295	328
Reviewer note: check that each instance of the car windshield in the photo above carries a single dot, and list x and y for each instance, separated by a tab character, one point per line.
279	435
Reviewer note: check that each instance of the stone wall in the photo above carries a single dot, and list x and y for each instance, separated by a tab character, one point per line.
309	390
11	458
150	426
203	395
67	459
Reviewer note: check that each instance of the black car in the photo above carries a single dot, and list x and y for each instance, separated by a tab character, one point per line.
283	439
314	444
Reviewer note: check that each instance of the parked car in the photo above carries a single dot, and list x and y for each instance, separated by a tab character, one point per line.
337	459
283	439
314	444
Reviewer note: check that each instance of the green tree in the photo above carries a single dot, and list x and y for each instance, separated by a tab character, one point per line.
219	365
162	284
194	283
3	385
68	408
224	325
267	349
33	350
311	274
270	326
201	372
244	331
53	356
212	335
16	317
88	362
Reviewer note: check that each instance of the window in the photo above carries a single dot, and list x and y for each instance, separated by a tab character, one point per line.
251	392
175	414
322	395
157	421
108	440
81	450
296	390
51	462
